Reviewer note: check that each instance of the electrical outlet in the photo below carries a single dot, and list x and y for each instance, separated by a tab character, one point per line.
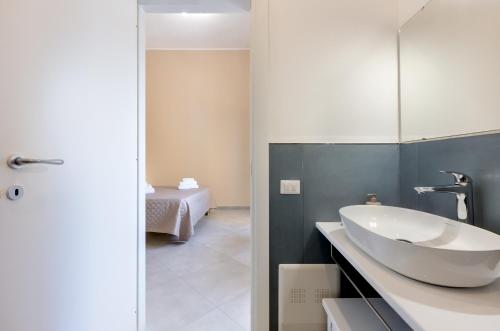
290	187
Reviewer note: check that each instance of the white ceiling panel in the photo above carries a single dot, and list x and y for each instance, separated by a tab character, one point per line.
198	31
196	6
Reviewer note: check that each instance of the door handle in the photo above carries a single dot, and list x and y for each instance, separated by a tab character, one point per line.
16	162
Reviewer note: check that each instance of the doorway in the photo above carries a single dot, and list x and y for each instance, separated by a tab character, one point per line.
197	165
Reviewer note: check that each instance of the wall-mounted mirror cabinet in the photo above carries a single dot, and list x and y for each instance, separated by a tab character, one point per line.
450	70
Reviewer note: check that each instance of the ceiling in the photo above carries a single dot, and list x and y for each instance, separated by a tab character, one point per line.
196	6
198	31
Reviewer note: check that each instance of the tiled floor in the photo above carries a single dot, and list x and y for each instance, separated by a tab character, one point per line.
203	284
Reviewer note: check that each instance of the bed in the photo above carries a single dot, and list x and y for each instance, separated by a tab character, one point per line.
176	212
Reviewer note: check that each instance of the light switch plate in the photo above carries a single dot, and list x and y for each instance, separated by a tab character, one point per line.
290	186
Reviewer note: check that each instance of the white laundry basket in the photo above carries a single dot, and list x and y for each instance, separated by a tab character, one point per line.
302	288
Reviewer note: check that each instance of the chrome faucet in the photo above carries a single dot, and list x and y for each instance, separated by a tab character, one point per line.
463	191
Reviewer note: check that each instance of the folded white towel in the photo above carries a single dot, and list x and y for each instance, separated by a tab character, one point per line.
188	183
187	186
149	188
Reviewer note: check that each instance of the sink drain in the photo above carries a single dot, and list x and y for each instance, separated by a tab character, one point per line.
404	240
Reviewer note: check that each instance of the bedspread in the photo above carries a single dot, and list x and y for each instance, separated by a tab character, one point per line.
176	212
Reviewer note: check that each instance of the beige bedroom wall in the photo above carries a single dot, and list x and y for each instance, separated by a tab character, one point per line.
198	121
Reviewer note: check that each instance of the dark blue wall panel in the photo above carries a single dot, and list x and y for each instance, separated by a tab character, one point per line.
336	175
332	176
341	175
286	217
478	157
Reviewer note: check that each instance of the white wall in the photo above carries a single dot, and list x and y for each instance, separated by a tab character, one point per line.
333	71
408	8
260	164
323	71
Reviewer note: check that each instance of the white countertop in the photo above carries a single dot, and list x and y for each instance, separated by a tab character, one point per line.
422	306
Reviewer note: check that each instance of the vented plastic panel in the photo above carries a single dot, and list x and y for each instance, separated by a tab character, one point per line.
302	288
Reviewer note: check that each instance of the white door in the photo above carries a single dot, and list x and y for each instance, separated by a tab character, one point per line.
68	90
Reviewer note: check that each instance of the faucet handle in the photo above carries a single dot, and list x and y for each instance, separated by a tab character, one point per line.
460	178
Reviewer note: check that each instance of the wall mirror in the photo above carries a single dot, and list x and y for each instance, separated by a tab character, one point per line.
450	70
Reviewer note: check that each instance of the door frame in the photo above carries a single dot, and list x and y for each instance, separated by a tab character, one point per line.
259	304
141	169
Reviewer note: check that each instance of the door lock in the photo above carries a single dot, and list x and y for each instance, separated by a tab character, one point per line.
15	192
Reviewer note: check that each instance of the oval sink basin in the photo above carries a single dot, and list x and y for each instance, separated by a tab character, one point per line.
423	246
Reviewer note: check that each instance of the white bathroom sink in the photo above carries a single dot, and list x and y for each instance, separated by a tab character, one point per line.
423	246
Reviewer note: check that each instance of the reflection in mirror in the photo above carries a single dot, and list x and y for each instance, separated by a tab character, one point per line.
450	70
